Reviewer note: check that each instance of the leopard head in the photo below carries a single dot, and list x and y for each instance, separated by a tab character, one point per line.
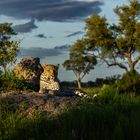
50	71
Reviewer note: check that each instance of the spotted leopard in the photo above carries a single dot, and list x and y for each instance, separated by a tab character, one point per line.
48	79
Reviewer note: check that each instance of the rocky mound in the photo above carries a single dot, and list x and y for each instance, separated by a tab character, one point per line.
29	69
29	102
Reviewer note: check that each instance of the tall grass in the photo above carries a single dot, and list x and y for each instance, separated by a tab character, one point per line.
108	117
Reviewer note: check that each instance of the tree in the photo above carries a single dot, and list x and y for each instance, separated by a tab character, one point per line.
78	62
119	41
8	48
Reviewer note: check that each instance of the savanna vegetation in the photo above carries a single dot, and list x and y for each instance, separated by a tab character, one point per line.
111	109
107	116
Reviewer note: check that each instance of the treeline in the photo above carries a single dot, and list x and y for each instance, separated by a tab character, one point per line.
95	84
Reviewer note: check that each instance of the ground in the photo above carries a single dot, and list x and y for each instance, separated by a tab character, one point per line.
28	102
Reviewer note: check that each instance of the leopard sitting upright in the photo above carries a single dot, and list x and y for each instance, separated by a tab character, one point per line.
48	79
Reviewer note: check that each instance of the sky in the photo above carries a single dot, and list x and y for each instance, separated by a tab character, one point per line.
47	28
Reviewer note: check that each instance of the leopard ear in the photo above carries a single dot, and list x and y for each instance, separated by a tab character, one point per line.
57	66
45	65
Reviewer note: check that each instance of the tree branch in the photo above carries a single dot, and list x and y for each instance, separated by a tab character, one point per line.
137	60
84	71
75	73
116	64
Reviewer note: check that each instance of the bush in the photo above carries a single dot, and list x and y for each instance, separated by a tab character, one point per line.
130	82
8	82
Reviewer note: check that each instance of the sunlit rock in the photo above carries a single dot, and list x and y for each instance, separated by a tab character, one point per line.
29	69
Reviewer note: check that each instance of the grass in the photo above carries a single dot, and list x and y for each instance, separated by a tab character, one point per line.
108	117
91	91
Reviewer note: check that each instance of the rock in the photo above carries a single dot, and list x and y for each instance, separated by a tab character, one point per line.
29	69
48	79
27	103
80	93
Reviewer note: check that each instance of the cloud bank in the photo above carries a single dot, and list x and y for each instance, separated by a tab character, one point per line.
24	28
44	52
53	10
40	52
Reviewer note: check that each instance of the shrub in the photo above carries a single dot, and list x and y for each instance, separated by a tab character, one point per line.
129	83
8	82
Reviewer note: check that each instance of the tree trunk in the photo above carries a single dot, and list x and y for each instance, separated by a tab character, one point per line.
79	83
4	68
132	68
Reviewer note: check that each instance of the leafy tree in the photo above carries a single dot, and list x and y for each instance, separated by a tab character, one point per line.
8	48
120	41
78	62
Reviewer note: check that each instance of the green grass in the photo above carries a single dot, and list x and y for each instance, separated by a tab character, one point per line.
91	91
110	116
8	82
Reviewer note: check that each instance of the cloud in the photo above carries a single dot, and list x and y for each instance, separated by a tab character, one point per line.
41	36
24	28
39	52
53	10
44	52
63	47
75	33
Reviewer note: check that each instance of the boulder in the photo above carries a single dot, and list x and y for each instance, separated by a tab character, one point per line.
29	69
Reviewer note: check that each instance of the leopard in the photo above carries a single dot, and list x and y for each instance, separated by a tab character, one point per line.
48	79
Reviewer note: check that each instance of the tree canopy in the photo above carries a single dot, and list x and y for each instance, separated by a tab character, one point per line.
8	48
78	62
119	42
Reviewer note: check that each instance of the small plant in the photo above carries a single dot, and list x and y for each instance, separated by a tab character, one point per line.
8	82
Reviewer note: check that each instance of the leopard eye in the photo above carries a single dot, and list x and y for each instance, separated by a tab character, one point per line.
52	77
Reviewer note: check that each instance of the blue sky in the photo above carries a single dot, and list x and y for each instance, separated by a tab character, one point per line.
44	24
